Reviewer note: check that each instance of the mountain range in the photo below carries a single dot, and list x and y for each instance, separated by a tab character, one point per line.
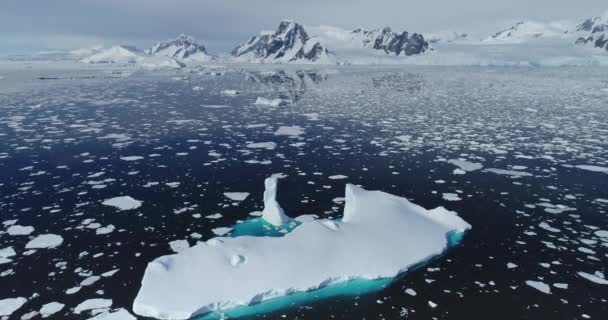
291	42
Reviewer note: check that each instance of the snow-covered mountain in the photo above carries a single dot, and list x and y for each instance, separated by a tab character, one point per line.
289	43
594	31
527	30
131	56
391	42
183	48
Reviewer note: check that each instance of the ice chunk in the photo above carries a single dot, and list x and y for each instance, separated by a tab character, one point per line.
51	308
289	131
540	286
120	314
45	241
179	245
93	304
18	230
273	213
598	277
221	231
224	273
466	165
123	203
236	196
262	145
271	102
593	168
10	305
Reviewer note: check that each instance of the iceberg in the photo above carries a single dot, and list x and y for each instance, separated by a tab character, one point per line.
242	271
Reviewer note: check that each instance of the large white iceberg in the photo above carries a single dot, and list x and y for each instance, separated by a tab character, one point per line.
379	237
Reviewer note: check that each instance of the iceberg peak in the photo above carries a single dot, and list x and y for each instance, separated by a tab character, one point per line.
273	213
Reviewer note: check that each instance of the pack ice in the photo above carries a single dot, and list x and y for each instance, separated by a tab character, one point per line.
379	237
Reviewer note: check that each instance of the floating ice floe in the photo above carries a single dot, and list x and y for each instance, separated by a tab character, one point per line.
598	277
226	272
123	203
17	230
51	308
6	254
262	145
131	158
540	286
271	102
93	304
45	241
120	314
512	173
289	131
593	168
465	166
229	93
10	305
236	196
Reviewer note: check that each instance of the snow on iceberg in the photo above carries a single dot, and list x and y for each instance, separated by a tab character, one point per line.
224	273
273	213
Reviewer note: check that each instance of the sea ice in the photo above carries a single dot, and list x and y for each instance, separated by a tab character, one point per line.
45	241
289	131
512	173
51	308
228	272
540	286
131	158
271	102
221	231
596	278
123	203
93	304
466	165
451	197
17	230
236	196
10	305
120	314
593	168
262	145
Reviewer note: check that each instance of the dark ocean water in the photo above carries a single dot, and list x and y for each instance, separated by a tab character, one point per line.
390	129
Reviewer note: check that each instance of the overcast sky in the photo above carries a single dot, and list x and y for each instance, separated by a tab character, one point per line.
33	25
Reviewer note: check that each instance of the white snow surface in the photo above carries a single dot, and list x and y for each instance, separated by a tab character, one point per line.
227	272
123	203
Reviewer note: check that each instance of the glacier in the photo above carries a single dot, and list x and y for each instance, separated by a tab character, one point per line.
241	271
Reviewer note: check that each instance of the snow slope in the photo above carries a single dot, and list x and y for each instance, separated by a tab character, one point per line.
528	30
224	273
